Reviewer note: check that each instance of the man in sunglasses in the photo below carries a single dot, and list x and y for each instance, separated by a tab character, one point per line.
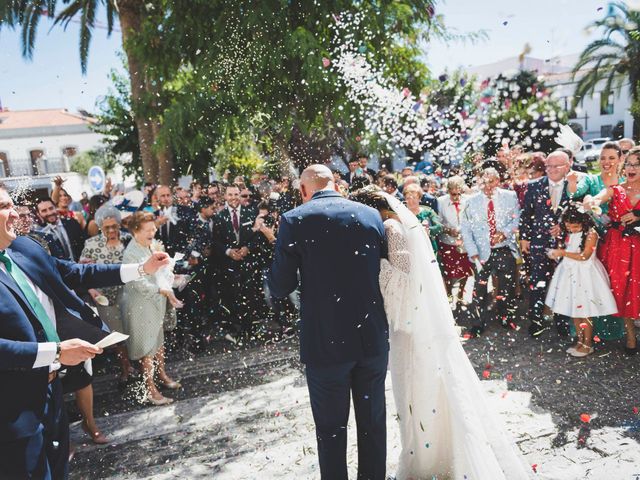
626	144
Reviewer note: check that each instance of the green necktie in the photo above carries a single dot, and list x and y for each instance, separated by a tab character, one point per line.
21	279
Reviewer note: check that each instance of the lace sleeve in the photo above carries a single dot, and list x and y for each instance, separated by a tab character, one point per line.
394	273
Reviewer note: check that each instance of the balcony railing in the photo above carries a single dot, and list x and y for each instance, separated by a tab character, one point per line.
43	166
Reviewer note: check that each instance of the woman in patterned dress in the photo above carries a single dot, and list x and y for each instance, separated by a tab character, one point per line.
144	308
108	247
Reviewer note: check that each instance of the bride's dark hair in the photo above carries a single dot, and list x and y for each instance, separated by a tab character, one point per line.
371	195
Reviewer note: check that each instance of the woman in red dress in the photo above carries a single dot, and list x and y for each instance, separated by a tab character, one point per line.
620	250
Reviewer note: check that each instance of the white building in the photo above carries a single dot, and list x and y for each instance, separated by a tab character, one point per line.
597	115
37	145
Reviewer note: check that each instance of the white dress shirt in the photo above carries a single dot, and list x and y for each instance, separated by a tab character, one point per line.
555	193
47	350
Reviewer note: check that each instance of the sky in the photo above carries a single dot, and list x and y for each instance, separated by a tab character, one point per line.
53	79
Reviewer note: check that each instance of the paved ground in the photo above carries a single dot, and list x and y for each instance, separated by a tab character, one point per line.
243	413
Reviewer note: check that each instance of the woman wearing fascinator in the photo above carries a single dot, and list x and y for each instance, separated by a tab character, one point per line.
447	429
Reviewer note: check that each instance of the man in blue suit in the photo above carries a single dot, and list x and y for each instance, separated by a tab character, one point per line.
488	226
337	245
39	315
540	230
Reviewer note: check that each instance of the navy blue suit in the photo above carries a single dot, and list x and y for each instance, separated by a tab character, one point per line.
337	245
31	415
536	219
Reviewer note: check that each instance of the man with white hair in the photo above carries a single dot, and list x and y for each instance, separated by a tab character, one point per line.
488	227
540	230
337	245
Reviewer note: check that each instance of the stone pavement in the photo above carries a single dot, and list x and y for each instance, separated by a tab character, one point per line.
244	415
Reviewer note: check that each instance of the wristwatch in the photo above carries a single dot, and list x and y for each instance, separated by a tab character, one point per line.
141	271
58	352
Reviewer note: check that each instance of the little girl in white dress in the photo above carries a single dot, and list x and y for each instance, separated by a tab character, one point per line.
580	286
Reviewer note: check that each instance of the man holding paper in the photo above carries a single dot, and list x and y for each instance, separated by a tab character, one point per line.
40	318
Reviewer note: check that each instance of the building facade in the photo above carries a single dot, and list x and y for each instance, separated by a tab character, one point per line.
38	145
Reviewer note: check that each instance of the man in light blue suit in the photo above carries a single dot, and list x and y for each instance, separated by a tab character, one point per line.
488	226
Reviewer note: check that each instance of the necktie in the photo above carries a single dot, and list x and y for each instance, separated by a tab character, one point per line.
21	279
456	205
491	217
234	220
555	195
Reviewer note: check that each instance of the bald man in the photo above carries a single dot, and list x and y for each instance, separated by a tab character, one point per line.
540	230
336	245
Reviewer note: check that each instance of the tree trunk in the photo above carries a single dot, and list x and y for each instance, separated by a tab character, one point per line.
166	172
130	14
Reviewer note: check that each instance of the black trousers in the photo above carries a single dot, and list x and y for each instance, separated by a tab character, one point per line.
330	388
45	455
502	264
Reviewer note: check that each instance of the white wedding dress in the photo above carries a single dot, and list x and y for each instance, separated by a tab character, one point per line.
447	430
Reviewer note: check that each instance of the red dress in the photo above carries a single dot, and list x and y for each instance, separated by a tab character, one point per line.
620	255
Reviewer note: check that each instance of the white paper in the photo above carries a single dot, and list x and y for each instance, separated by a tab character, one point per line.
112	339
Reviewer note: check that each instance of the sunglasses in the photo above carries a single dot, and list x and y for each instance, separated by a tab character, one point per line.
245	196
624	152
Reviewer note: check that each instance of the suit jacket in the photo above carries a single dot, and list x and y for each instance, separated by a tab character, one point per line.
337	246
474	223
224	237
76	236
429	201
22	407
537	214
174	237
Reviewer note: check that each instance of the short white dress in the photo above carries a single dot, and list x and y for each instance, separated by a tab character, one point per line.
580	289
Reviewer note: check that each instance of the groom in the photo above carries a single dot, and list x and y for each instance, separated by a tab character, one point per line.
337	245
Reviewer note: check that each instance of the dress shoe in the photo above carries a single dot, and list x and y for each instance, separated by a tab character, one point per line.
630	351
96	437
172	385
475	331
578	353
160	401
535	329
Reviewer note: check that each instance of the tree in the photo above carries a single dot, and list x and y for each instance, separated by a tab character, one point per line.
521	111
268	58
26	14
613	59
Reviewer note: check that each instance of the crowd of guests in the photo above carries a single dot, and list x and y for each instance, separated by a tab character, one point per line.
521	227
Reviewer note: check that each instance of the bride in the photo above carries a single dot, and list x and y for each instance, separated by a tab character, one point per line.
446	427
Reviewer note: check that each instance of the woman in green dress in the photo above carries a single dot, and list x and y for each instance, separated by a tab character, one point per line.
427	216
609	328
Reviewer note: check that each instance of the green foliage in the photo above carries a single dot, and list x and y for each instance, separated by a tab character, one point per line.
239	154
116	123
102	157
613	60
265	58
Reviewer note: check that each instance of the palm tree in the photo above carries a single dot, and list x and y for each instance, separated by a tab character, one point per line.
613	59
26	14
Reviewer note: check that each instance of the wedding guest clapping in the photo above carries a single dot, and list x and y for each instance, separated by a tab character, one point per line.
144	308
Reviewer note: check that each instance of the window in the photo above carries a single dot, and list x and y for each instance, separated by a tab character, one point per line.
36	162
4	165
69	152
606	103
605	130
